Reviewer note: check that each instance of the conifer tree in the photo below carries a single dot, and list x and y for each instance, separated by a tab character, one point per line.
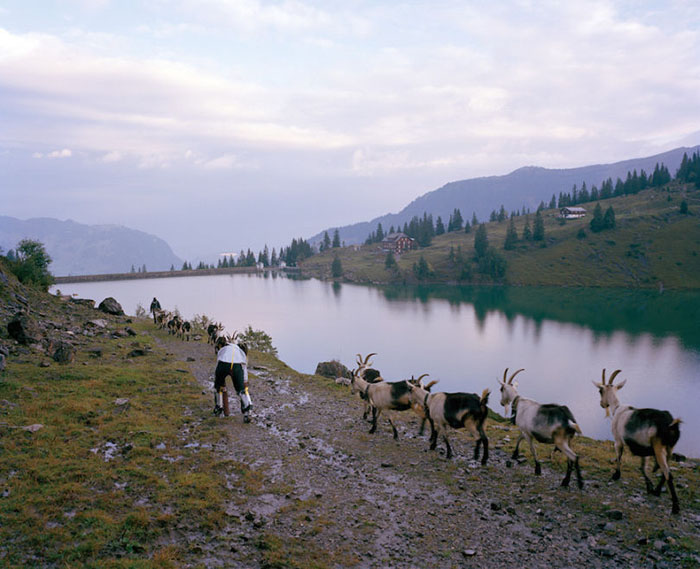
511	236
481	241
538	230
336	239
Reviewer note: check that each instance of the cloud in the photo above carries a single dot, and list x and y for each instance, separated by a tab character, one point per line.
111	157
65	153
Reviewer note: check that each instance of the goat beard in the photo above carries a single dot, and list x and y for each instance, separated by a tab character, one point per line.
607	412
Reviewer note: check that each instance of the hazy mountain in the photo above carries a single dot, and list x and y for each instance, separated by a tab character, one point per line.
78	249
525	187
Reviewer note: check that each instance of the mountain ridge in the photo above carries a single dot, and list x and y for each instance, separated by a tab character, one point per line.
526	187
80	249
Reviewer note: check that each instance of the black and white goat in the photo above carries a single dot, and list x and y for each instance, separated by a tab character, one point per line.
382	395
550	423
646	432
456	410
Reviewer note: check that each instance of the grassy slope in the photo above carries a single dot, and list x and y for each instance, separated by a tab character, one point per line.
652	244
63	504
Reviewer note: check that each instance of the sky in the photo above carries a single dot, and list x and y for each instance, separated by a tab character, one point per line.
219	125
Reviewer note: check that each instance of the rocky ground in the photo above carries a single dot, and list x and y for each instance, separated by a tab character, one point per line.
332	494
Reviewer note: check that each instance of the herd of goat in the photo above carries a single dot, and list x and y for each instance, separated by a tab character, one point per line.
645	432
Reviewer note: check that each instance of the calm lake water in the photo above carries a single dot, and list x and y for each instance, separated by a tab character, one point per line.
463	336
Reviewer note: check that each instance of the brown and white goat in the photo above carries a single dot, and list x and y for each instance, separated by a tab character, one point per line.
646	432
456	410
550	423
382	396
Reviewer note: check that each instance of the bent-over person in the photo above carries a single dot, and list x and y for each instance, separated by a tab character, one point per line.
232	360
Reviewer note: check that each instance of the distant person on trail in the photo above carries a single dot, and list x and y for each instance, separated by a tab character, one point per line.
155	307
232	359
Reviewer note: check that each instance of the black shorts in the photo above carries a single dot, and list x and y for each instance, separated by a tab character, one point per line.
224	369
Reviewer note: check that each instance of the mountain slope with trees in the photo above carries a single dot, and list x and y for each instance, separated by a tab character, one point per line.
647	239
523	188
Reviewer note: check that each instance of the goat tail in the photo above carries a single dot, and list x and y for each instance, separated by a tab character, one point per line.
676	421
485	396
575	427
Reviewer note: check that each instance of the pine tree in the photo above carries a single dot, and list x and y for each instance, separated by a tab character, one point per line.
380	233
336	267
467	227
538	230
326	241
553	202
609	218
597	224
511	236
481	241
527	231
336	239
475	221
390	260
439	227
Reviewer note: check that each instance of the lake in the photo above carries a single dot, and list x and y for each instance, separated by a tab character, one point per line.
463	336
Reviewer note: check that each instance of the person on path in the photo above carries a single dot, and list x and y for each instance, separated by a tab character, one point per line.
155	308
231	360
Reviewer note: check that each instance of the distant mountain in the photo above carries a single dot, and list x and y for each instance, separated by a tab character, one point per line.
525	187
78	249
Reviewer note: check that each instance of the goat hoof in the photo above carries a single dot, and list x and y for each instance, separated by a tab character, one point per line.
564	483
538	470
616	475
675	510
580	484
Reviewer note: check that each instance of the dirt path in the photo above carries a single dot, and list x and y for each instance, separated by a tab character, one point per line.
310	488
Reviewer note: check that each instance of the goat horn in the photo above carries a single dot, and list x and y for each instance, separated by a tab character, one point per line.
614	375
422	376
505	373
603	376
368	357
510	381
359	359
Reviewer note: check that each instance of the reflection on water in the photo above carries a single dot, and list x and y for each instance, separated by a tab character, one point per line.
464	336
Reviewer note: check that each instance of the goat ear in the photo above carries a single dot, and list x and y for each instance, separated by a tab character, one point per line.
598	384
621	384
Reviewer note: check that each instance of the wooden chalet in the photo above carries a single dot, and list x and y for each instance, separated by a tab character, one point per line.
397	243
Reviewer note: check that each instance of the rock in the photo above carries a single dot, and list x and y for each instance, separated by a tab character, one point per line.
661	546
24	329
95	352
84	302
98	323
604	551
469	553
64	353
3	278
136	353
332	369
614	514
130	331
110	306
121	401
45	364
33	428
495	506
191	359
2	362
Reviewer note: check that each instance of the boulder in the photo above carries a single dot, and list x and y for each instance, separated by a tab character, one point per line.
24	329
332	369
64	353
84	302
111	306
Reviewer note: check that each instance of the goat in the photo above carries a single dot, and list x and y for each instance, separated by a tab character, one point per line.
370	375
381	395
186	329
457	410
646	432
550	423
213	331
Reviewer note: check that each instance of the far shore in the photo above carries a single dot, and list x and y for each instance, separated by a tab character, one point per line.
167	274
